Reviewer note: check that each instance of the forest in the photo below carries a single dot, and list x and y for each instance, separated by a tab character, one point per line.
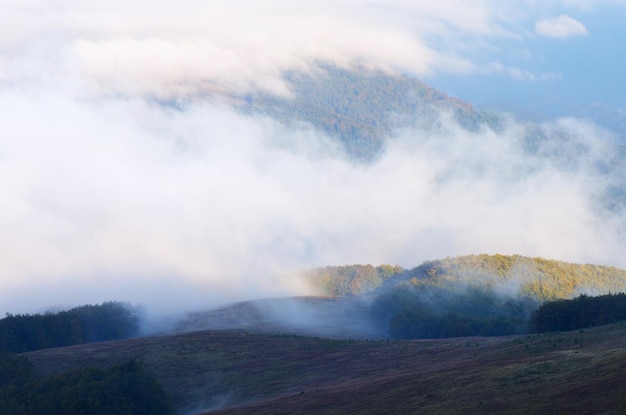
577	313
538	278
411	312
362	108
85	324
121	389
476	295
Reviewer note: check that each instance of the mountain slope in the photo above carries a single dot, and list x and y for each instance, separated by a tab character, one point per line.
361	108
329	317
364	110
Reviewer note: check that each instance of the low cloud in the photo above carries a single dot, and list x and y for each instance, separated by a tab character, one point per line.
120	198
122	177
240	46
561	27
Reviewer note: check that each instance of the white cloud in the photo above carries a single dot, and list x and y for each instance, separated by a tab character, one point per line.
560	27
517	73
117	198
167	49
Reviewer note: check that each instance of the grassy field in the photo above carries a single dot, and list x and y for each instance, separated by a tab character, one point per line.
224	372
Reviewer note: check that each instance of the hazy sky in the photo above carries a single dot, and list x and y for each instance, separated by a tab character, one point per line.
104	194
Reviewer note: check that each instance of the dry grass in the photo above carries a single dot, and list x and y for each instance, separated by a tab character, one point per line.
575	372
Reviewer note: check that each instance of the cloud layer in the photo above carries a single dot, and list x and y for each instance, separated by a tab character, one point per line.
123	177
156	49
154	203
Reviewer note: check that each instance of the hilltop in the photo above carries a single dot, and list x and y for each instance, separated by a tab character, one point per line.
539	278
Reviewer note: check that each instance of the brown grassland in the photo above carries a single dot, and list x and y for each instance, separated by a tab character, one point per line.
228	372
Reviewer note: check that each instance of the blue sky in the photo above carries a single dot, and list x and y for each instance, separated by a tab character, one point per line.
574	70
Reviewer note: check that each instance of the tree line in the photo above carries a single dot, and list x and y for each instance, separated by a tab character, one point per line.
581	312
85	324
426	312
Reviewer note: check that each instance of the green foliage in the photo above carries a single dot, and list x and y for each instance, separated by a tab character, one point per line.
89	323
121	390
412	312
581	312
15	370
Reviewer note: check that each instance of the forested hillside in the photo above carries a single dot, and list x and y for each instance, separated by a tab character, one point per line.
538	278
352	279
122	389
581	312
475	295
84	324
361	108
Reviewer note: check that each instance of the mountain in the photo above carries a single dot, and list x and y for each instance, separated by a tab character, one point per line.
362	108
603	115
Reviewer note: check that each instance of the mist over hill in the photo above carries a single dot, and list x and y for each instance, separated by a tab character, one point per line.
190	159
540	278
366	110
257	352
473	295
223	196
362	108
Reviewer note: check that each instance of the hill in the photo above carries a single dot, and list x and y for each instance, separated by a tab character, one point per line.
486	295
329	317
539	278
574	372
266	357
